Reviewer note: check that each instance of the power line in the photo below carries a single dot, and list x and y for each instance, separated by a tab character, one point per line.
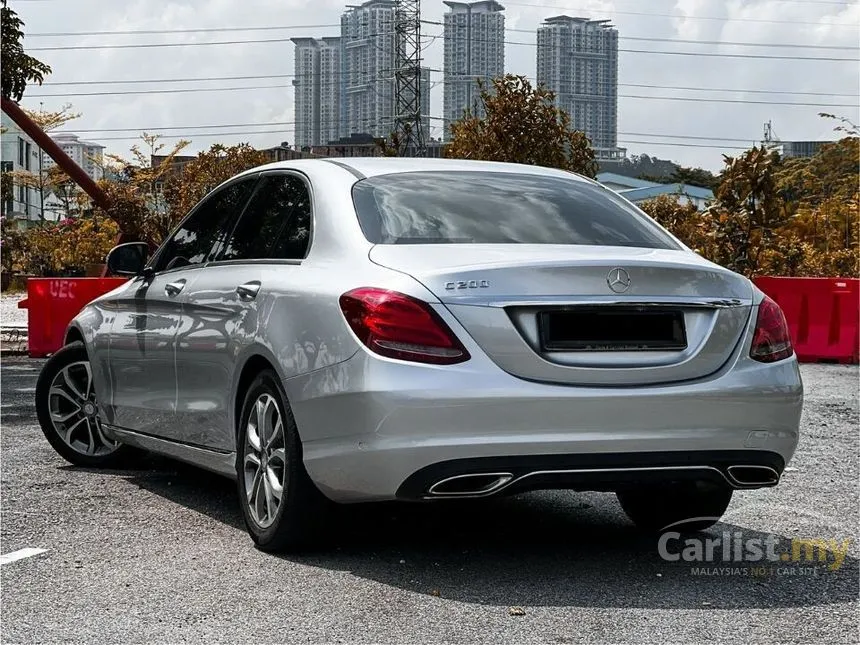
283	87
190	30
507	42
183	90
427	22
436	71
682	145
710	42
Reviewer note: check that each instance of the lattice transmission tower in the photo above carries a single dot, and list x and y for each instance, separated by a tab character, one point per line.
409	134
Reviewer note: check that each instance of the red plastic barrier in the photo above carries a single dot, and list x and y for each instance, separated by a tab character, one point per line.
52	303
823	315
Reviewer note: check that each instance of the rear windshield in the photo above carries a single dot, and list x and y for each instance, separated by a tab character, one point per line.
499	208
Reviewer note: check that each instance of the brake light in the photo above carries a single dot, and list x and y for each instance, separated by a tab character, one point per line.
771	340
395	325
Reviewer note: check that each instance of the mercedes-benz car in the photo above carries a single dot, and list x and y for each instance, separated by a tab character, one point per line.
412	329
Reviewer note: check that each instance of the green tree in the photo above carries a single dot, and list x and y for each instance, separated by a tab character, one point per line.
18	69
748	210
522	125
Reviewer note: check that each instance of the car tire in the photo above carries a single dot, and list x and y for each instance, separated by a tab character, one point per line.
68	411
683	506
270	472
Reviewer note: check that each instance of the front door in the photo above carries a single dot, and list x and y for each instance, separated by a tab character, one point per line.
142	348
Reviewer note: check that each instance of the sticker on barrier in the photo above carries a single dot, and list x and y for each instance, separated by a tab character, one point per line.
52	303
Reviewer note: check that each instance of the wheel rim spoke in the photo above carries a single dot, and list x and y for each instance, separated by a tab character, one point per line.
254	425
259	501
275	487
91	444
89	388
269	498
255	479
71	384
277	432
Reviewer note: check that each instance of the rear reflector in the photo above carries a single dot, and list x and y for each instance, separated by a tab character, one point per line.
771	340
398	326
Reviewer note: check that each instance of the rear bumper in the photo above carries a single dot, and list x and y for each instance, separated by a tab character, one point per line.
370	427
485	476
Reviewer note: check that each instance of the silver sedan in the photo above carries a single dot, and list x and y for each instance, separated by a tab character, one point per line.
375	329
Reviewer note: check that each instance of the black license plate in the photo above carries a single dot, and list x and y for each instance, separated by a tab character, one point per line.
612	329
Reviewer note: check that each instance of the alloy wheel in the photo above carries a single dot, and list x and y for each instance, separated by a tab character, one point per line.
75	412
264	463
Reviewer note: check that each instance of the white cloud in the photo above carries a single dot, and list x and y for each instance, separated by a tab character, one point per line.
805	23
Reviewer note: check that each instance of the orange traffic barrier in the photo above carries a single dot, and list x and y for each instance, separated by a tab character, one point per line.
51	305
823	315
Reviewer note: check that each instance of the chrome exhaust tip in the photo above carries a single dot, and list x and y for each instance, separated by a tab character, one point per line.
471	485
746	476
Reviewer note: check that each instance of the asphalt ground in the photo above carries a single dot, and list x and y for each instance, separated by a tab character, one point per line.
158	554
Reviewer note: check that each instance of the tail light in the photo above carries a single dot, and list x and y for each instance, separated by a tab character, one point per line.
398	326
771	340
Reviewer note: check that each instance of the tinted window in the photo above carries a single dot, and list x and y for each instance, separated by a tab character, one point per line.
198	234
276	223
499	208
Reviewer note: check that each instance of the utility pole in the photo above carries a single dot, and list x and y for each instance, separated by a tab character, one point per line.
408	131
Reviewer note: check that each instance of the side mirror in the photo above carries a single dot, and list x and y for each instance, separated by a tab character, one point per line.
128	259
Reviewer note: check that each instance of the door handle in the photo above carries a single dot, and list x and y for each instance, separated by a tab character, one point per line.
249	290
173	288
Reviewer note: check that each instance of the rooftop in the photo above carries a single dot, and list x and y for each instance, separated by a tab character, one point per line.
575	20
481	5
67	137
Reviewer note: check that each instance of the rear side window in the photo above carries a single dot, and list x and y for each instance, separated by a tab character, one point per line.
276	223
499	208
197	235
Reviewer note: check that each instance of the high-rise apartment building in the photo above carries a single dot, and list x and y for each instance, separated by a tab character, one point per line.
367	38
577	58
317	86
474	50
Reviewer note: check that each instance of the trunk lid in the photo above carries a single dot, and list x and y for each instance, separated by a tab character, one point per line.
504	294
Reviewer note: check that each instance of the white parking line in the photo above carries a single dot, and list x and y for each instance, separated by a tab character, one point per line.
20	554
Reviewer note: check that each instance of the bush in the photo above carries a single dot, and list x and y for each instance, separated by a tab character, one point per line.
63	248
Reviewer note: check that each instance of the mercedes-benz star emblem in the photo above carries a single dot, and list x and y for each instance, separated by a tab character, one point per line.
618	280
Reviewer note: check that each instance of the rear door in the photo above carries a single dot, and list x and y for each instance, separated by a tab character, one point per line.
557	279
148	317
232	299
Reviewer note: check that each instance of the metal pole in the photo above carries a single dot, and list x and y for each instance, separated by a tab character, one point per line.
73	170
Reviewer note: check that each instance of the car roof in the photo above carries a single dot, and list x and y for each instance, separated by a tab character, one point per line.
363	167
